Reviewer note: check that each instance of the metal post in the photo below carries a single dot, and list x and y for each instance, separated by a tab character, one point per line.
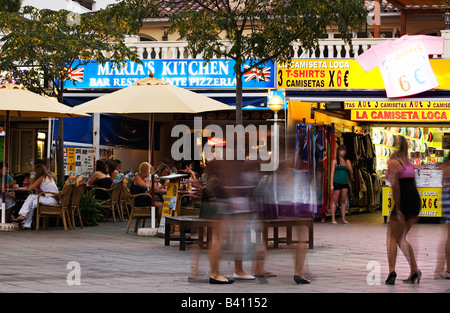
96	134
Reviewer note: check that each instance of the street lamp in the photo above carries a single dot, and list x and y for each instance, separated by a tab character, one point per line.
275	104
447	20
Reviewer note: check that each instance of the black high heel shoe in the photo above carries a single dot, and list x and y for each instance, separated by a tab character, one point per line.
300	280
416	276
391	278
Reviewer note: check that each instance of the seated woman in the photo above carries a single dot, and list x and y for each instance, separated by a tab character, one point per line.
140	184
162	170
111	166
101	179
44	182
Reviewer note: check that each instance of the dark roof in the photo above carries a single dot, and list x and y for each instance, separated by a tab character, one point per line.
170	8
387	7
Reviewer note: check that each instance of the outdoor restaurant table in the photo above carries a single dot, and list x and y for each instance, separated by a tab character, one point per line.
185	223
20	192
17	189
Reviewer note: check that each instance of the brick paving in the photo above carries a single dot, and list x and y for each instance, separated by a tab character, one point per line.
111	261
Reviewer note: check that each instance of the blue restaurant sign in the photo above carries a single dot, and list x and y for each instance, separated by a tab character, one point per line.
185	73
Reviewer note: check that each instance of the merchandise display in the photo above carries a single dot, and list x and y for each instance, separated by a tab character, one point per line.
428	148
366	184
426	145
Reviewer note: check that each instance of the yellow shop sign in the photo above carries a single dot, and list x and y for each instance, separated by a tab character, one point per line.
401	115
397	105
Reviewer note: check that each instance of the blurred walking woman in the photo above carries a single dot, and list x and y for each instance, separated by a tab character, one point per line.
341	174
405	212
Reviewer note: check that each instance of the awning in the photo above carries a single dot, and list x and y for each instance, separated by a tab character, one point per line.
251	100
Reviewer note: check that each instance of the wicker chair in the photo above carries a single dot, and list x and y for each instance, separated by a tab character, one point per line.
74	208
57	210
113	203
136	212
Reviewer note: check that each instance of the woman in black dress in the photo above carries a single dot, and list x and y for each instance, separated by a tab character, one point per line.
405	212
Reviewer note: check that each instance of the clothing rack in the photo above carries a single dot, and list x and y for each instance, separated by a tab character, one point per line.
365	187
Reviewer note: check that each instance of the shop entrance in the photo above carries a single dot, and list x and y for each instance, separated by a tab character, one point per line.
428	147
27	145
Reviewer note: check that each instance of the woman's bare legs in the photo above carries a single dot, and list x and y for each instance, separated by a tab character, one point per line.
215	250
396	237
300	254
343	201
336	196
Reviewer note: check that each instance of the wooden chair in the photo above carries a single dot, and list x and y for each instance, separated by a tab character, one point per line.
136	212
190	209
113	203
124	203
57	210
75	208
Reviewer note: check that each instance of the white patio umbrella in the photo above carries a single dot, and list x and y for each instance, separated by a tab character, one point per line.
152	95
16	100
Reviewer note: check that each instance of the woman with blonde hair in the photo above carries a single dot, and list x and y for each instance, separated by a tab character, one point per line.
43	182
141	184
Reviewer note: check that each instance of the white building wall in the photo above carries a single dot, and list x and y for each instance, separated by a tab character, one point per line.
67	5
56	5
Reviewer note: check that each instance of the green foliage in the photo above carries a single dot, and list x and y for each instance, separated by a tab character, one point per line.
10	5
50	42
262	29
90	209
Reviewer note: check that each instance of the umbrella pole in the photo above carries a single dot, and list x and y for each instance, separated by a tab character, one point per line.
152	148
5	157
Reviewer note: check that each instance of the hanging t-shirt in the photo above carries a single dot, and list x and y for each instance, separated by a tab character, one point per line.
404	64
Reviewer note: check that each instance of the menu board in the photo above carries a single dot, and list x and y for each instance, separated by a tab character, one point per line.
78	160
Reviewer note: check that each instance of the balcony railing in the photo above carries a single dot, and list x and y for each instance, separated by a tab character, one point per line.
327	48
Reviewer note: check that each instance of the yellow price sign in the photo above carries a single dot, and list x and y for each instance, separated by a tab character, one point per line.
323	74
430	201
326	74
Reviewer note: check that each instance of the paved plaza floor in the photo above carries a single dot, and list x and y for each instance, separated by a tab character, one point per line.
105	259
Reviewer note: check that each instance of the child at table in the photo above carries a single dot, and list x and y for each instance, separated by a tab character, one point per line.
44	182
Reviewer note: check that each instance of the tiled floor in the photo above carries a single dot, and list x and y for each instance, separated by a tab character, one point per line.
346	258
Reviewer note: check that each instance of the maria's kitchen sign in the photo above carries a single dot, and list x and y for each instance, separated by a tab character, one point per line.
185	73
